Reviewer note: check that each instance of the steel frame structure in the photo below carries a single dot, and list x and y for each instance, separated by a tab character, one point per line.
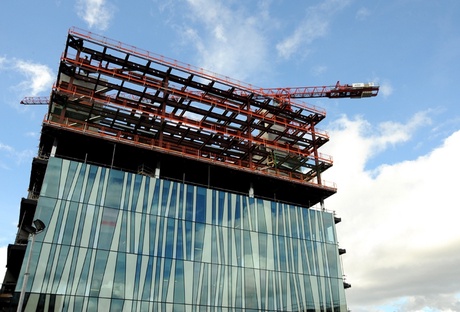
106	88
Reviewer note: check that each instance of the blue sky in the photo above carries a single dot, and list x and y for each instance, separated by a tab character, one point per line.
395	156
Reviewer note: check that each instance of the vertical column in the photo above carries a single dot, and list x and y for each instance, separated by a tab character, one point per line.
317	162
54	148
157	170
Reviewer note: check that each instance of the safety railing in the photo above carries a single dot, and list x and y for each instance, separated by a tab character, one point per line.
179	150
160	59
211	128
201	97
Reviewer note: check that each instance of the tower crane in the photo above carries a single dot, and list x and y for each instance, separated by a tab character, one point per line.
353	91
35	100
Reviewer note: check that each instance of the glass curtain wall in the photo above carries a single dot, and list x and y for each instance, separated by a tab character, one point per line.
117	241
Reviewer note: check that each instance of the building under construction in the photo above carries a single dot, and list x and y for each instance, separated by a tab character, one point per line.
164	187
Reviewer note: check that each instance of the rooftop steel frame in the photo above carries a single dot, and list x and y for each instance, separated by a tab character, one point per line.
116	91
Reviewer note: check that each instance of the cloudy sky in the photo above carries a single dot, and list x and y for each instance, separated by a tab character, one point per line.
396	156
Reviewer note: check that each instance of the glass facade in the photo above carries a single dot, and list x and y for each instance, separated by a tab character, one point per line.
117	241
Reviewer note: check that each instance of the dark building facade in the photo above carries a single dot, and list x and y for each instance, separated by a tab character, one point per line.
164	187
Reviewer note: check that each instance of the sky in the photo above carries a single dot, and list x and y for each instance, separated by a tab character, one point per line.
396	156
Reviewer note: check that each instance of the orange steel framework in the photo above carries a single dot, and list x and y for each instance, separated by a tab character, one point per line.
108	89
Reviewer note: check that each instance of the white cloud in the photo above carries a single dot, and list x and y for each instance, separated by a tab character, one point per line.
308	31
386	89
444	303
315	25
4	147
96	13
367	141
163	5
363	13
32	134
228	38
318	70
391	133
17	156
399	225
39	78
